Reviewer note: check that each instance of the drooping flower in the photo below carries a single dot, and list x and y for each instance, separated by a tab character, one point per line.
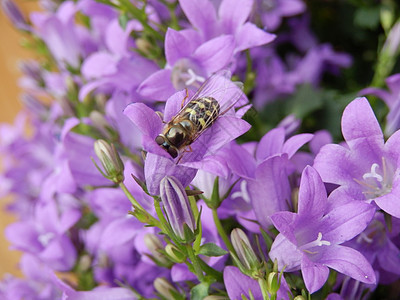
366	168
311	239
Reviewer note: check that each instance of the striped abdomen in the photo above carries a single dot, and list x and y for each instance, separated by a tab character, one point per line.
202	112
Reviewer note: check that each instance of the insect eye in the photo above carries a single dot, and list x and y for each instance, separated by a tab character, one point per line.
173	152
159	140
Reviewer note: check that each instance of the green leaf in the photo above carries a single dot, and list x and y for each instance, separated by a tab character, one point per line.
200	291
211	249
367	17
304	102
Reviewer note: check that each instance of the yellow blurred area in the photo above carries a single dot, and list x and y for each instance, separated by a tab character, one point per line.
10	53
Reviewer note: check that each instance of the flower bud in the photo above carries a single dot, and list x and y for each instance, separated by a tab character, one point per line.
100	123
177	208
213	297
175	254
156	247
15	15
299	297
273	283
245	253
110	160
165	288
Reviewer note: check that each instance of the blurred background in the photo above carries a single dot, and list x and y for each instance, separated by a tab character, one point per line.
11	52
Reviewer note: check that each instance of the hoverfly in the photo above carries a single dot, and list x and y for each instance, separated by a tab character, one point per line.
217	95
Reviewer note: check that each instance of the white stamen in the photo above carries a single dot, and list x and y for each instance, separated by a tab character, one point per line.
242	193
45	238
318	242
193	78
363	237
373	173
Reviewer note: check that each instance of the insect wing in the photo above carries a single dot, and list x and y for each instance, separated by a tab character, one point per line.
220	87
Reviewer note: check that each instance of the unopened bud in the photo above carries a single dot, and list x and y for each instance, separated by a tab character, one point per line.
213	297
299	298
245	253
165	288
273	283
85	263
100	123
110	160
15	15
143	45
156	247
177	208
175	254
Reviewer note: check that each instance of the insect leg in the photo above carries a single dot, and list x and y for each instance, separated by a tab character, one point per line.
184	99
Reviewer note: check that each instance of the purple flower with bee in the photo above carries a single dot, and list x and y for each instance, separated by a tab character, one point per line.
194	128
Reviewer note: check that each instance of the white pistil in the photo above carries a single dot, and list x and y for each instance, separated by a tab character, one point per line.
363	237
45	238
373	173
318	242
193	78
243	193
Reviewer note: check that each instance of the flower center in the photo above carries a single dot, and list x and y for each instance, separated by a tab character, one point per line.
185	74
316	243
374	236
242	193
377	182
45	238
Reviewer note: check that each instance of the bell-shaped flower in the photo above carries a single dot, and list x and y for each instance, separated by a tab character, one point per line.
366	167
311	239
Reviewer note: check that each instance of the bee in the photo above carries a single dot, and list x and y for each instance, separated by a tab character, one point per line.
214	98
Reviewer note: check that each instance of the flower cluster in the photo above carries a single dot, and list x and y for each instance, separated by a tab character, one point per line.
140	169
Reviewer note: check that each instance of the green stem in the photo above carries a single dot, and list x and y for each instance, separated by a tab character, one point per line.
222	232
264	289
135	204
148	218
195	263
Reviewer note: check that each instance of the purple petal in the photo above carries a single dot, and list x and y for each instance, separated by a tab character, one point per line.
23	236
249	36
389	258
349	262
321	138
238	284
201	14
99	64
287	254
295	143
145	119
213	164
390	202
284	221
157	86
173	46
346	221
157	167
224	130
270	191
359	122
335	165
60	254
233	14
215	54
119	232
174	105
312	194
271	143
314	275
